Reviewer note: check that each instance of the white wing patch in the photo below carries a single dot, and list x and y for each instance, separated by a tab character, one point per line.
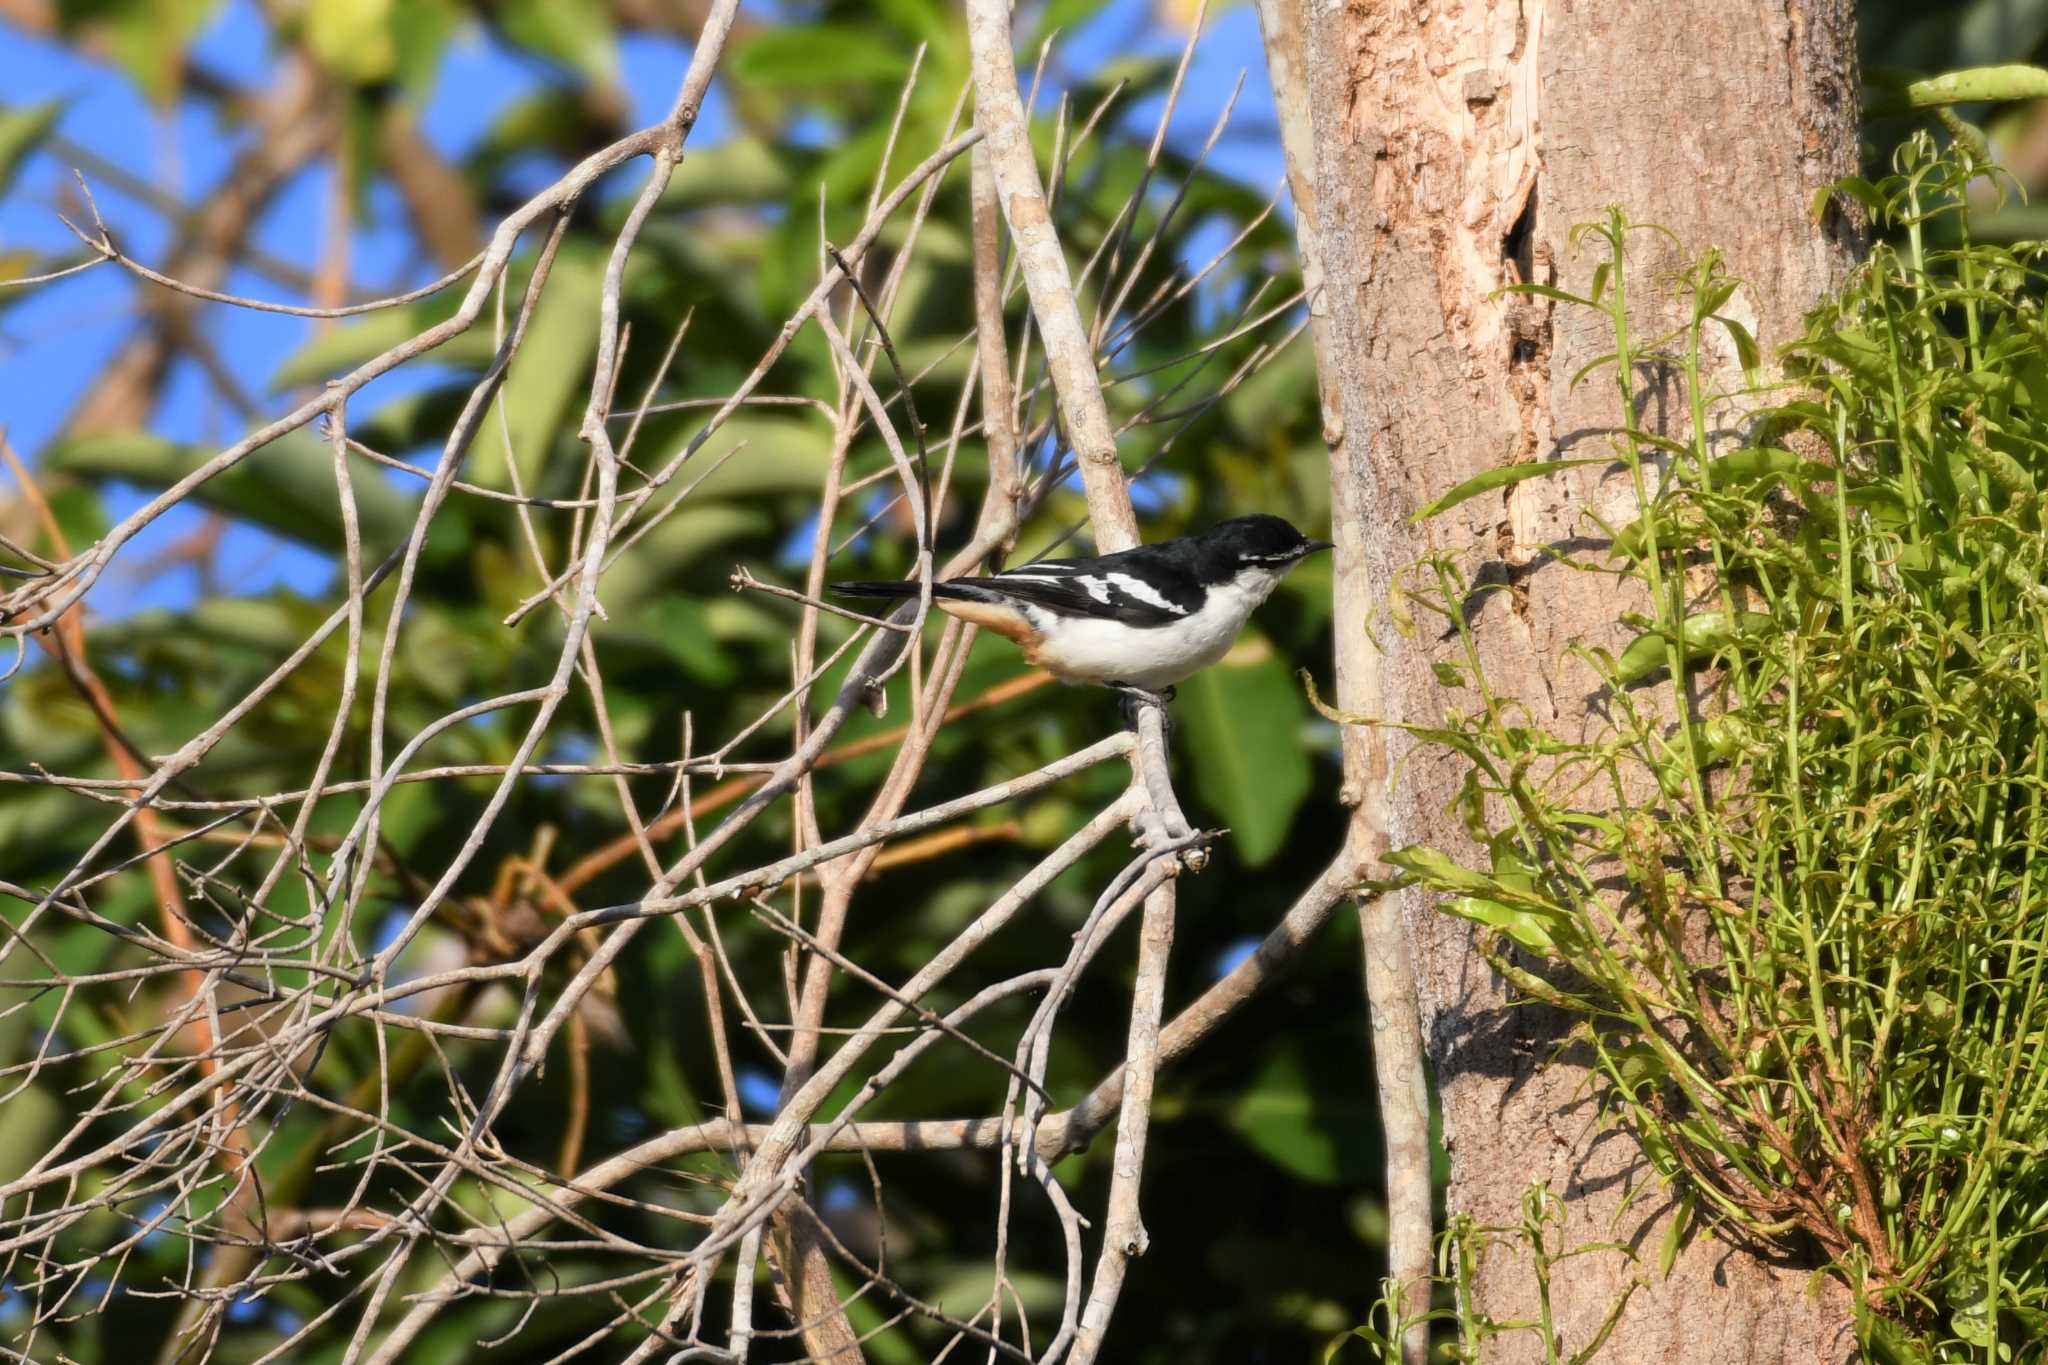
1089	583
1138	590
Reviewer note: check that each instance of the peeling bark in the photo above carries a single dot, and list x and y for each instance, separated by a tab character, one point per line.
1454	146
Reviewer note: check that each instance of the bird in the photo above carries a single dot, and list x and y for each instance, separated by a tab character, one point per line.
1137	621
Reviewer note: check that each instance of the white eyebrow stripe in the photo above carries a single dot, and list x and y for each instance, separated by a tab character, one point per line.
1139	590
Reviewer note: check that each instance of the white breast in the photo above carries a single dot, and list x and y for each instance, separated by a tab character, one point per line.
1090	650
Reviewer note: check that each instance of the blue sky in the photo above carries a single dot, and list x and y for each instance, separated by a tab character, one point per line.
54	341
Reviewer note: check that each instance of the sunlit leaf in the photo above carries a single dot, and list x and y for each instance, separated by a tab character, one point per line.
551	373
1502	476
1242	719
287	487
22	130
1700	635
817	54
576	33
349	345
353	38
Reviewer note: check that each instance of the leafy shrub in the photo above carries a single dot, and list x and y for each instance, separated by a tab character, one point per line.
1803	920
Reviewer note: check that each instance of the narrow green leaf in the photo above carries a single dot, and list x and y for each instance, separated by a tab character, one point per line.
1747	353
1700	636
1439	870
551	369
1715	295
1979	84
1547	291
1505	476
1752	464
1592	1349
1532	929
1674	1234
1596	363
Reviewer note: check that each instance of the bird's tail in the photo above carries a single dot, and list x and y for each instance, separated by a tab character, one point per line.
894	587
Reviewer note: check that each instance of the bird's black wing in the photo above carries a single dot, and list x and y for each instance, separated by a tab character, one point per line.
1146	587
1106	587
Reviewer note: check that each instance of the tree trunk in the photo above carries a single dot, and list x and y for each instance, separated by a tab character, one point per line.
1453	148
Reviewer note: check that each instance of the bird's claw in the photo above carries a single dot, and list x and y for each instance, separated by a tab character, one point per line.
1134	697
1170	833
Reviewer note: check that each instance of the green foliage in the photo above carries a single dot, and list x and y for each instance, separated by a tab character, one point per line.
1536	1244
1244	739
733	246
1800	921
22	130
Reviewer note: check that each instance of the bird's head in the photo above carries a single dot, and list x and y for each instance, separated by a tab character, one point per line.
1258	541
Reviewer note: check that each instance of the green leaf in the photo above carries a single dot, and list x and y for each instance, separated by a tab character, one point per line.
1242	719
22	130
1551	292
963	1288
287	487
1381	1346
1296	1118
1747	353
1978	84
1714	295
146	37
1854	187
1700	636
352	38
421	29
551	370
774	455
1752	464
742	170
1506	476
1439	870
1888	1343
817	54
576	33
341	350
1533	928
680	629
1674	1234
32	1118
648	574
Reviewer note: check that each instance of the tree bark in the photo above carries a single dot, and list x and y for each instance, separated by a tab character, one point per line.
1453	148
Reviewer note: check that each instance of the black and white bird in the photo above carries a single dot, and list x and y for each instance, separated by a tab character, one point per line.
1139	620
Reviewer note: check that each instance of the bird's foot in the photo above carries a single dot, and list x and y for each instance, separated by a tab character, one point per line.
1134	697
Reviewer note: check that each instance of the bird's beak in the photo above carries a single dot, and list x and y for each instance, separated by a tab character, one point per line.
1315	545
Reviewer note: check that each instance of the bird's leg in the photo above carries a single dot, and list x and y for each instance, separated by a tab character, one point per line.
1160	824
1134	697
